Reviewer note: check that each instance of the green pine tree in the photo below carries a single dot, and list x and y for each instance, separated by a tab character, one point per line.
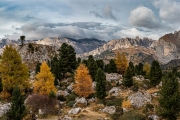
139	69
100	63
112	67
85	62
17	110
101	84
78	62
155	73
56	69
67	59
128	81
92	66
169	101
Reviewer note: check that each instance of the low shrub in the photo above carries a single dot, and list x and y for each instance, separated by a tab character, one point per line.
148	108
135	88
114	101
72	97
117	114
71	103
61	98
35	102
108	86
132	115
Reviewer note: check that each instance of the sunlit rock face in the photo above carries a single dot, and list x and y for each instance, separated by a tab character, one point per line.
168	47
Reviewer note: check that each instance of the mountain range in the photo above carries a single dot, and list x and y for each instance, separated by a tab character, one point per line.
165	49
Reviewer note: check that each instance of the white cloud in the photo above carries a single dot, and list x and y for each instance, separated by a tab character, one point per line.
31	31
107	12
133	32
169	10
143	17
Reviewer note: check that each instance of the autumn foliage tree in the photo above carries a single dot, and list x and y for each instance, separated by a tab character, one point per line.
146	69
121	62
13	72
45	81
83	81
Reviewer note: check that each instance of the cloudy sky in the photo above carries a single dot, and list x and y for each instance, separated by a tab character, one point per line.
101	19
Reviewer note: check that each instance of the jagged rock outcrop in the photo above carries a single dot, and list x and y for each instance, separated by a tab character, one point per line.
32	53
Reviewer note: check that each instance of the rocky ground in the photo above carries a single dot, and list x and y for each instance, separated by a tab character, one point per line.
140	98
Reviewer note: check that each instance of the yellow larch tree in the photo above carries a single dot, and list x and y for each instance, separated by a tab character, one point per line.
45	81
13	72
83	81
147	68
121	62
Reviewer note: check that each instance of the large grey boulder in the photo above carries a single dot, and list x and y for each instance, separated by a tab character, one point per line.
109	109
74	111
139	99
66	117
4	108
153	117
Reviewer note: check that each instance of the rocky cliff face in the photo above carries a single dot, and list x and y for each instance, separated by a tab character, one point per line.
32	53
168	47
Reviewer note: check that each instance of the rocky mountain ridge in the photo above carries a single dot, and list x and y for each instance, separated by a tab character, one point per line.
80	45
164	50
122	44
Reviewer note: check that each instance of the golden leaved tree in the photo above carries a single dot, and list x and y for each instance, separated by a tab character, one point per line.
147	68
13	72
83	81
45	81
121	62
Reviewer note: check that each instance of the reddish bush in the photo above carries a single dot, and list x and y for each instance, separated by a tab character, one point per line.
46	104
